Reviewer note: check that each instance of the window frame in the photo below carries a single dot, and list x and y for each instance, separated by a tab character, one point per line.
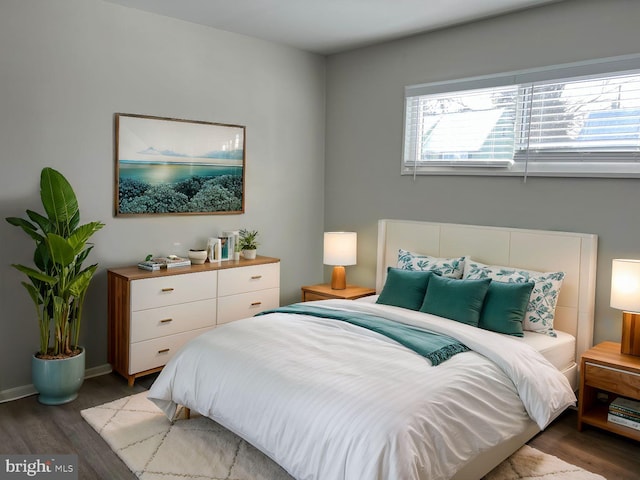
617	165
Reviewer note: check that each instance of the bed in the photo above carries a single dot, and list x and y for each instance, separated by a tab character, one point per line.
328	399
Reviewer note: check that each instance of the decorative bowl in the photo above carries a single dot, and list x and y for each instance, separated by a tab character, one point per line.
197	257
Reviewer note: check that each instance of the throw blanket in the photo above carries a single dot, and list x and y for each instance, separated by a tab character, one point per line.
433	346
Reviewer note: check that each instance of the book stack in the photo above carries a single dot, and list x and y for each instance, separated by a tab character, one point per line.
171	261
149	265
625	411
174	261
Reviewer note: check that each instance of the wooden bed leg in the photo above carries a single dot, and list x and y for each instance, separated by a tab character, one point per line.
187	413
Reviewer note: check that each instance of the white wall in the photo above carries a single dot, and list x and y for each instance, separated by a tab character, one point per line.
364	137
67	66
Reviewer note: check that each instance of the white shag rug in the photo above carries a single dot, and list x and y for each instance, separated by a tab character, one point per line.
154	448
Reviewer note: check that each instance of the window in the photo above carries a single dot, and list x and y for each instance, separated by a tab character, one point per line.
577	120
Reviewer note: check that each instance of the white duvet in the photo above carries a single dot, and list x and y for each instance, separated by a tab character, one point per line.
328	400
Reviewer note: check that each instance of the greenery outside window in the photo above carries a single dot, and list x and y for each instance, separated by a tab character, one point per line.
574	120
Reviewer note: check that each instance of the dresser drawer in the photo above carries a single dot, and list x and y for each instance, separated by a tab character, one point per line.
172	289
158	322
247	279
158	351
243	305
613	380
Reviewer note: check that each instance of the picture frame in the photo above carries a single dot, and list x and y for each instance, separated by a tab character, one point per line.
170	166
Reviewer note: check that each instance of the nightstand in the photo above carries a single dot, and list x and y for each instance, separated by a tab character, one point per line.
324	291
605	374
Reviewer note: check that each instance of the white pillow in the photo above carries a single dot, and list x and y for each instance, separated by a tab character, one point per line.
445	267
544	296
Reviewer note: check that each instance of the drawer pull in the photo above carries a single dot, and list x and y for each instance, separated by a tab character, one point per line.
164	350
597	365
169	289
166	320
255	304
256	277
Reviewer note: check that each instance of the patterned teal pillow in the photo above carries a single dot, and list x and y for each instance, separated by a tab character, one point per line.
445	267
544	296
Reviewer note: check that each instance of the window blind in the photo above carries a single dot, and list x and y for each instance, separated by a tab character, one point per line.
528	123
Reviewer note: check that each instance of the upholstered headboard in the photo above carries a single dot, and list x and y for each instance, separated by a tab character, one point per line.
573	253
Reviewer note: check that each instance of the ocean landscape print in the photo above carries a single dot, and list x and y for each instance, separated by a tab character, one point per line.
171	166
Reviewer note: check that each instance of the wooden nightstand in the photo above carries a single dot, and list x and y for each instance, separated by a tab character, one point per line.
605	374
324	292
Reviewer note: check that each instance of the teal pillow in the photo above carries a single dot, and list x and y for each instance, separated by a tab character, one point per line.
404	288
459	300
505	307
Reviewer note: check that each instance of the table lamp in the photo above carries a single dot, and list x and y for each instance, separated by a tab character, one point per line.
340	249
625	296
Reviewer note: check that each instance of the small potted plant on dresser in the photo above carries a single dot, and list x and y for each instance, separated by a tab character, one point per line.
248	243
58	285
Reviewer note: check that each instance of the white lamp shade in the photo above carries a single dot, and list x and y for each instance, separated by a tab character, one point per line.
340	248
625	284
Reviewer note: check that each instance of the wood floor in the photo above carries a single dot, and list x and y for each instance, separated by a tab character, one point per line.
612	456
27	427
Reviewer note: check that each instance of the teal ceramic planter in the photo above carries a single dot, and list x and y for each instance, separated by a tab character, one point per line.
58	381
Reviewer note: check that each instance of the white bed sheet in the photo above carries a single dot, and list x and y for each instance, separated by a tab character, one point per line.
329	400
560	351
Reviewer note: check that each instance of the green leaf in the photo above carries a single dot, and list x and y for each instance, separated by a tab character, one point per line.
80	236
20	222
74	221
28	227
82	256
33	293
59	200
41	256
61	250
81	282
43	222
35	274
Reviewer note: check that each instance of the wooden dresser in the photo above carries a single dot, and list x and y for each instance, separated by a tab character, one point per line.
153	314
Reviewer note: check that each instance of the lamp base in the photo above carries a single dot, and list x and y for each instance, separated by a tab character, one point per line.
630	344
338	278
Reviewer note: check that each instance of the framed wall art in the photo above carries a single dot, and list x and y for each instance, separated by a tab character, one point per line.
168	166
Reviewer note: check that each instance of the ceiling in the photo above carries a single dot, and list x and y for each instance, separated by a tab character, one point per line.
329	26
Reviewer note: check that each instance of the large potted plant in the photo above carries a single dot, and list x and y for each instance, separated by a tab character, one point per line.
57	285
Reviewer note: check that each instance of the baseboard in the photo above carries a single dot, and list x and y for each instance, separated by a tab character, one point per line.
97	371
27	390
